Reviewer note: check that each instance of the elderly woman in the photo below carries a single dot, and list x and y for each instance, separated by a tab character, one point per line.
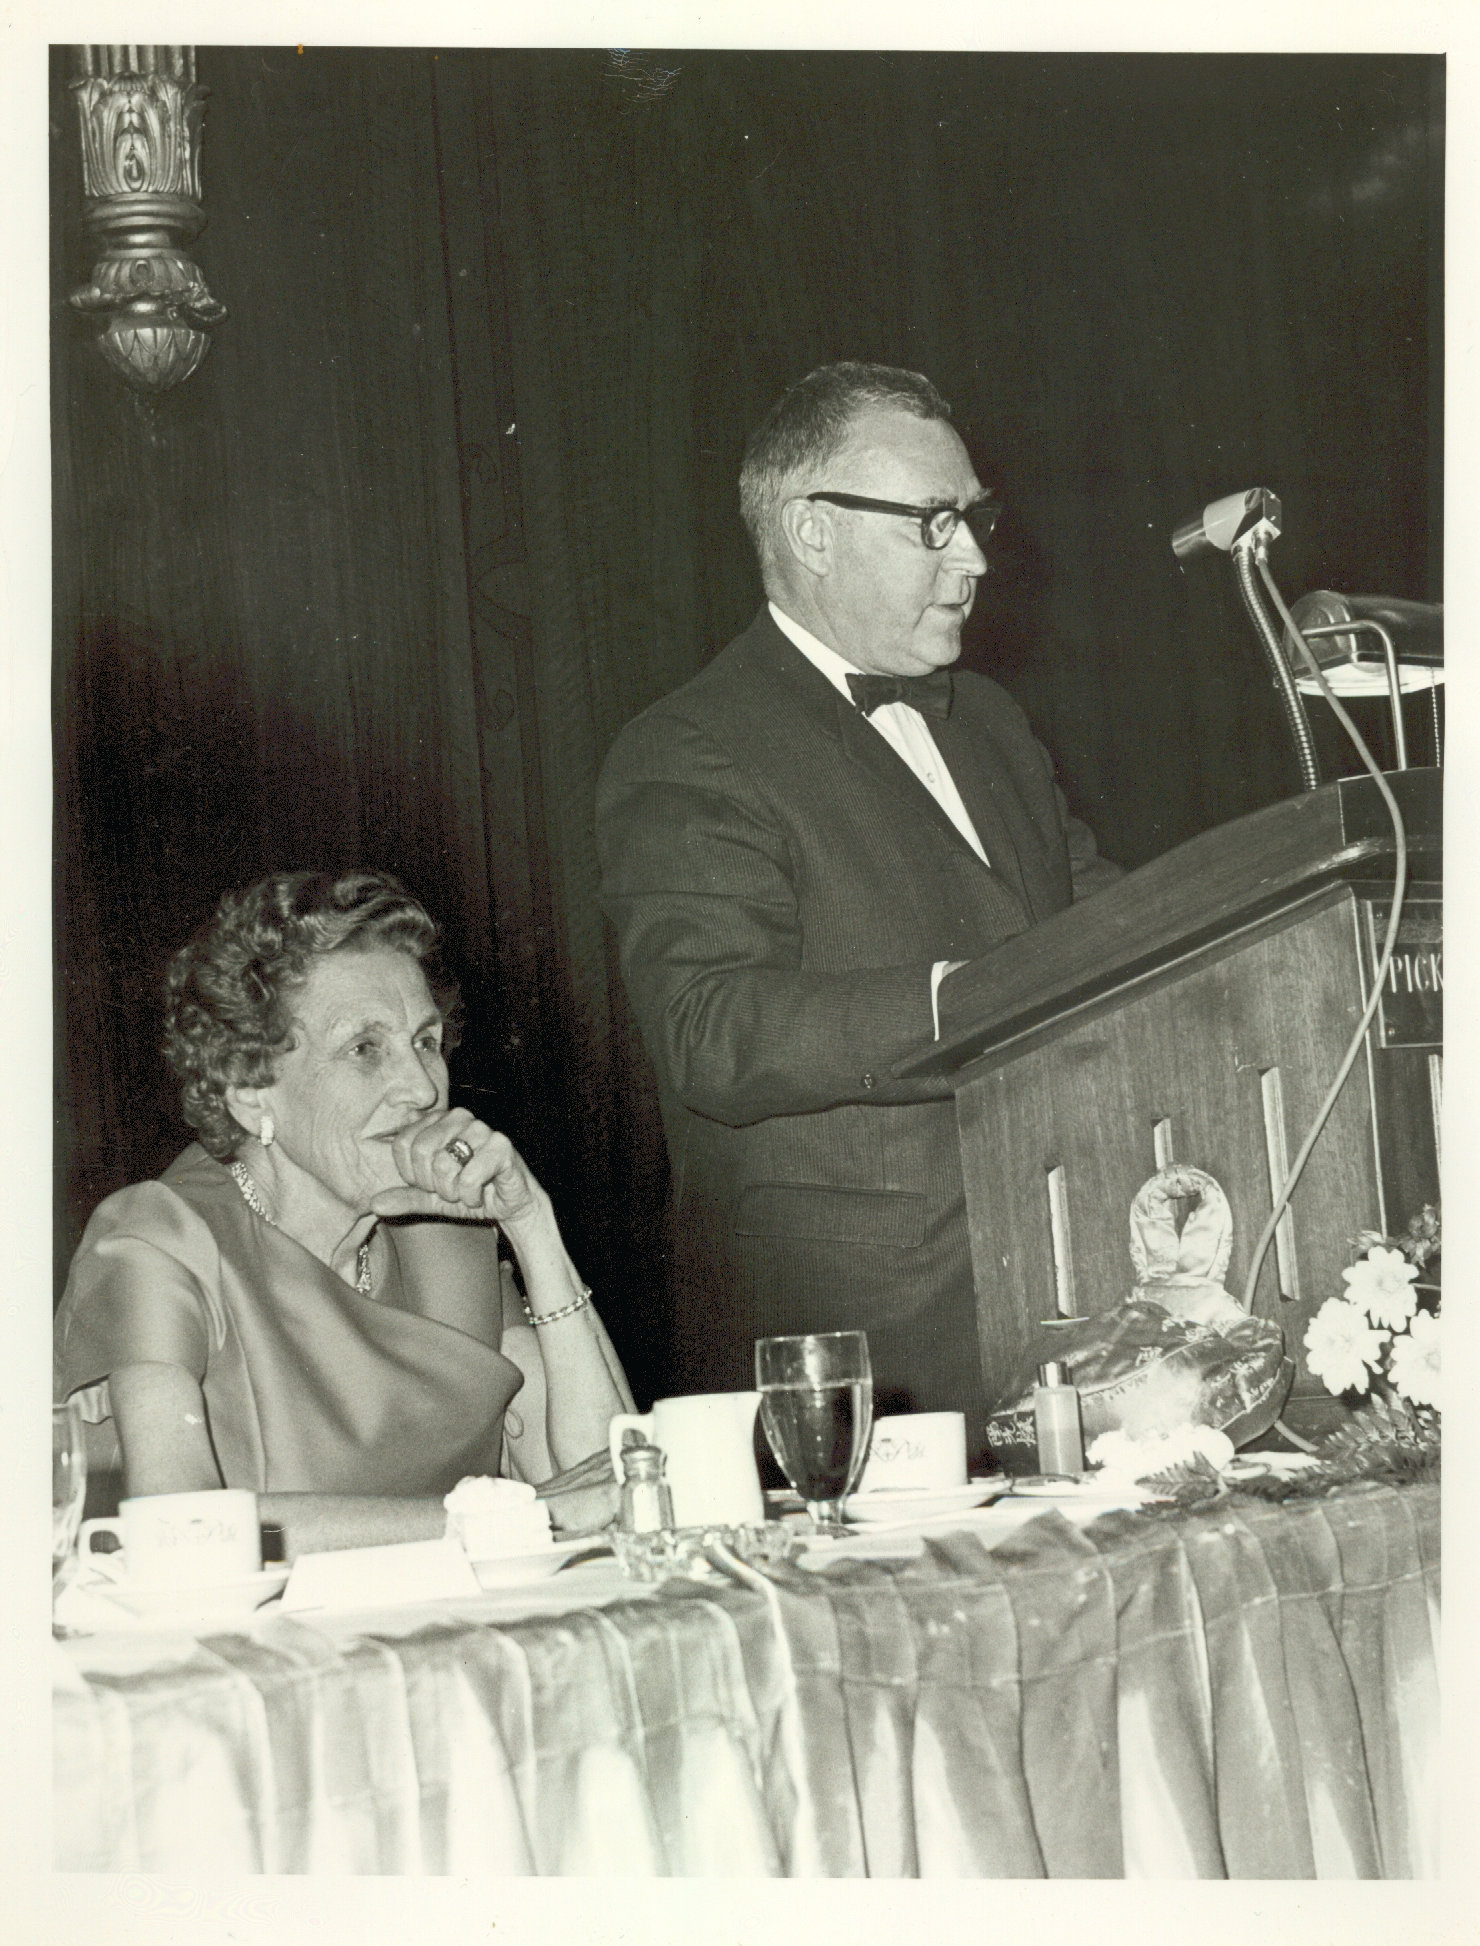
250	1319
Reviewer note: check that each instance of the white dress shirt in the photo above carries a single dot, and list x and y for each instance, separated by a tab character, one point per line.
907	733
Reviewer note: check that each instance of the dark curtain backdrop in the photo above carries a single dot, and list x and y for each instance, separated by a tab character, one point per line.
453	495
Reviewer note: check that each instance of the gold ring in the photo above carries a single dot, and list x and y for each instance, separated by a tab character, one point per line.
461	1150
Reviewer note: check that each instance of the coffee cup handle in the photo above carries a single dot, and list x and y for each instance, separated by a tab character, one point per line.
641	1422
109	1565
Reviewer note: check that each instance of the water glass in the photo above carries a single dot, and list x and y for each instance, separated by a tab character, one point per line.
817	1406
68	1486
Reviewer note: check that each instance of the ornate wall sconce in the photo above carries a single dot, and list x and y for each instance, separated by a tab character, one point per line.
141	110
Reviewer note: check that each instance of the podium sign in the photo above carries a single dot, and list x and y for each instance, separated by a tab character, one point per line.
1411	1011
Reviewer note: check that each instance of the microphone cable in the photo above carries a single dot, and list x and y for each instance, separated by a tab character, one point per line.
1400	885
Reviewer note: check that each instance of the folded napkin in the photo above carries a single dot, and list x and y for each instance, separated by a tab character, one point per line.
380	1577
494	1520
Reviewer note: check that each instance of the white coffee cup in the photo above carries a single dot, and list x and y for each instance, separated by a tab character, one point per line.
179	1540
917	1450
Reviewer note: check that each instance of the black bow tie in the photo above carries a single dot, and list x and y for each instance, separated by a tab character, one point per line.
930	694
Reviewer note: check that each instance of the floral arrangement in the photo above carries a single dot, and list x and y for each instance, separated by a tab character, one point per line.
1377	1342
1380	1335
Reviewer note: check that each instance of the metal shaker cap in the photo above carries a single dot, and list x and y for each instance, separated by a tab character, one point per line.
1053	1373
640	1460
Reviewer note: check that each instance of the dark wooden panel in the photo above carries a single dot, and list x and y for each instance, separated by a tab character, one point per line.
1189	1047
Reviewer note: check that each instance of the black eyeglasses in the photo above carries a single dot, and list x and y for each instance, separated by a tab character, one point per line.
937	524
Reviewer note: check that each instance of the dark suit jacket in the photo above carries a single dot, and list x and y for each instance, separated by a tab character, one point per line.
781	885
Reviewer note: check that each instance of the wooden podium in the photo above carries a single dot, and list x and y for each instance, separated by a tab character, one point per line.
1197	1012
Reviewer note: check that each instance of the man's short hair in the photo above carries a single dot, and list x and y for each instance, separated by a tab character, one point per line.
808	424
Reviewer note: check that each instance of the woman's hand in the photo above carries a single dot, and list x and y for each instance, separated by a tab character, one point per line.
494	1185
582	1510
584	1498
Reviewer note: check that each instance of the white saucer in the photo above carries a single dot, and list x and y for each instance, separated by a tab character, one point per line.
892	1506
229	1601
508	1570
1070	1486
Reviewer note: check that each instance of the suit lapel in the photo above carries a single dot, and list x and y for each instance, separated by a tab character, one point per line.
968	750
979	773
889	770
806	686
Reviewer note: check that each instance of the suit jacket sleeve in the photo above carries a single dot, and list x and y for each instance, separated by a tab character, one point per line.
699	879
1089	871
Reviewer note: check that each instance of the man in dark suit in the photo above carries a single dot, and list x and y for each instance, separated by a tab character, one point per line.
797	846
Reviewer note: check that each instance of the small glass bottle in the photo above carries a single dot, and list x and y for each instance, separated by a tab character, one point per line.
647	1503
1056	1414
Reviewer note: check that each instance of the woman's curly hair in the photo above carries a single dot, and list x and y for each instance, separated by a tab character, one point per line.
227	991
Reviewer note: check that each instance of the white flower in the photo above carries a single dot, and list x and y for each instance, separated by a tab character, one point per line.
1341	1346
1413	1363
1381	1284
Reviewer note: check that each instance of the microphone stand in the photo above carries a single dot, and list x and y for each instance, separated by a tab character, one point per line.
1246	552
1243	524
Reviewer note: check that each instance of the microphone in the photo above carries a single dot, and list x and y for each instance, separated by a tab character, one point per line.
1238	520
1239	524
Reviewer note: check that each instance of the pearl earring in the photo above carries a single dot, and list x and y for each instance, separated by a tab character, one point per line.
266	1133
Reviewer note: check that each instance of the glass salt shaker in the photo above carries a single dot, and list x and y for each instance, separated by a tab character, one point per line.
1056	1413
647	1503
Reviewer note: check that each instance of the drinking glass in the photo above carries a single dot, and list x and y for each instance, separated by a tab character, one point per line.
817	1406
68	1486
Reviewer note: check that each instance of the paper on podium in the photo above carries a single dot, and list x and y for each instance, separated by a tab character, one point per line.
380	1577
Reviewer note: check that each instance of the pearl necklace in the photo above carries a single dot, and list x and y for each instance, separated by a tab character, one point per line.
253	1200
